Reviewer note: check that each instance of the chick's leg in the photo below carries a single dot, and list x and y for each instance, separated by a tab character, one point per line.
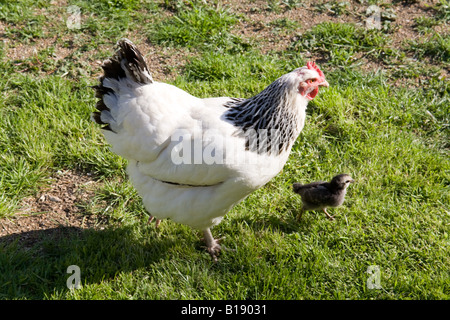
158	221
212	245
329	217
299	216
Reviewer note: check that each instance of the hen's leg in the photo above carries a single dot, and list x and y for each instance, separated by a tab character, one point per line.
329	217
212	245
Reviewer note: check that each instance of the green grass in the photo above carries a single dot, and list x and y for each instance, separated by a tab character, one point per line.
436	48
333	7
425	24
339	42
197	26
284	25
390	133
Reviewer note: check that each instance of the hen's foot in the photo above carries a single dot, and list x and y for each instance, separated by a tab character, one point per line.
214	251
212	245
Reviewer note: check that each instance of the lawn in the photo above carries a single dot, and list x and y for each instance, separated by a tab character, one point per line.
65	199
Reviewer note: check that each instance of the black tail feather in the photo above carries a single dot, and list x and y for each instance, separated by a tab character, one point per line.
100	90
101	106
126	56
96	116
134	61
112	68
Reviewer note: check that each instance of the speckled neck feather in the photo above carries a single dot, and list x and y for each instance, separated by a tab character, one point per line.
268	120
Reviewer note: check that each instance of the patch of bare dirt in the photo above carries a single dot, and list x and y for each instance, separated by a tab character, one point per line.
163	61
258	18
55	208
260	23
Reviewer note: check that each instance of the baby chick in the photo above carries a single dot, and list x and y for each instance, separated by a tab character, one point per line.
320	195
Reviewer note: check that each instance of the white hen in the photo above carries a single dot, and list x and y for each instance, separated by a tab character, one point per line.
191	159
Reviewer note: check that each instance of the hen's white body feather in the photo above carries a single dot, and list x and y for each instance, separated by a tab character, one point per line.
150	122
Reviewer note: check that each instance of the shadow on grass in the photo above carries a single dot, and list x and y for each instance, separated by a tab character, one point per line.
33	264
284	220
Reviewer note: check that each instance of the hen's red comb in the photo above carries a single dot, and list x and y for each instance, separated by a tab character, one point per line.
312	66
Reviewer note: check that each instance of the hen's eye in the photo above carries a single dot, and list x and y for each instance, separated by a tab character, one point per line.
309	81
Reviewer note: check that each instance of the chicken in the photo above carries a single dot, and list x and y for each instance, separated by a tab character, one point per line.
320	194
192	159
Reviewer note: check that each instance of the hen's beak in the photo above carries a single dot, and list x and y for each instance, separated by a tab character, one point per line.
324	83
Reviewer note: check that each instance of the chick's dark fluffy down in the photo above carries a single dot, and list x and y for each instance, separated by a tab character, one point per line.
321	194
